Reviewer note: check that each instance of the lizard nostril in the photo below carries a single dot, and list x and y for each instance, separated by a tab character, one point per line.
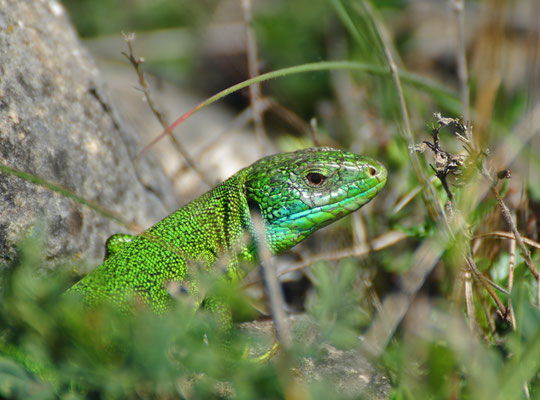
372	171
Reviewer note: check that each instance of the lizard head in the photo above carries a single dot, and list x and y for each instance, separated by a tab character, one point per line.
297	193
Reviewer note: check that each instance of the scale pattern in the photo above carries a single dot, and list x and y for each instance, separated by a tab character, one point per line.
295	193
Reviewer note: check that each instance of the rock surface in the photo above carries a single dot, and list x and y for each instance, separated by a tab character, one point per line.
349	372
56	123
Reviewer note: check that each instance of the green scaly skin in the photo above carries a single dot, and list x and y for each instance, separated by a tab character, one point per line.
295	193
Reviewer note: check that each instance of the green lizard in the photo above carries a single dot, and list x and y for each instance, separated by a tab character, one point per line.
295	193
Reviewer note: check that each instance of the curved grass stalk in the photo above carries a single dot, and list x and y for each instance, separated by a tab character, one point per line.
427	85
68	194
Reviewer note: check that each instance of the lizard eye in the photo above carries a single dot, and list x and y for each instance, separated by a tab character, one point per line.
315	178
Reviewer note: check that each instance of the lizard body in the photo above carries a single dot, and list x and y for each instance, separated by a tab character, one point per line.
295	193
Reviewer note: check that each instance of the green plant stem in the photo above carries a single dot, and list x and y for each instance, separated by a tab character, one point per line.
409	78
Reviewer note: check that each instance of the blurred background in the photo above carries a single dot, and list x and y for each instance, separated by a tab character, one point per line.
195	49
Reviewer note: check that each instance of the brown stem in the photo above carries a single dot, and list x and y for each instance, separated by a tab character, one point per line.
505	212
253	70
136	63
472	266
459	10
271	284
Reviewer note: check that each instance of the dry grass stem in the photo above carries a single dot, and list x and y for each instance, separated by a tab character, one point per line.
430	196
271	285
253	70
409	197
313	130
136	63
463	75
511	266
508	235
469	298
288	116
483	280
505	212
487	313
382	242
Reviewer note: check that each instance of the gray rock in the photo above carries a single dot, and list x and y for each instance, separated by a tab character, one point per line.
349	372
56	122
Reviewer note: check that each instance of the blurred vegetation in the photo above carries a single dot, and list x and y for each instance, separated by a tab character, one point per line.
454	342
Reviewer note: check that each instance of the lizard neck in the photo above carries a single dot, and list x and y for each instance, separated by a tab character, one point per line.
212	228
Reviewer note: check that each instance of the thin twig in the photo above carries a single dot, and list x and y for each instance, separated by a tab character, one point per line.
314	128
508	235
253	70
430	196
487	312
511	266
495	286
288	116
469	298
271	284
386	240
136	63
472	266
474	248
526	391
242	119
409	197
505	212
459	10
455	297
